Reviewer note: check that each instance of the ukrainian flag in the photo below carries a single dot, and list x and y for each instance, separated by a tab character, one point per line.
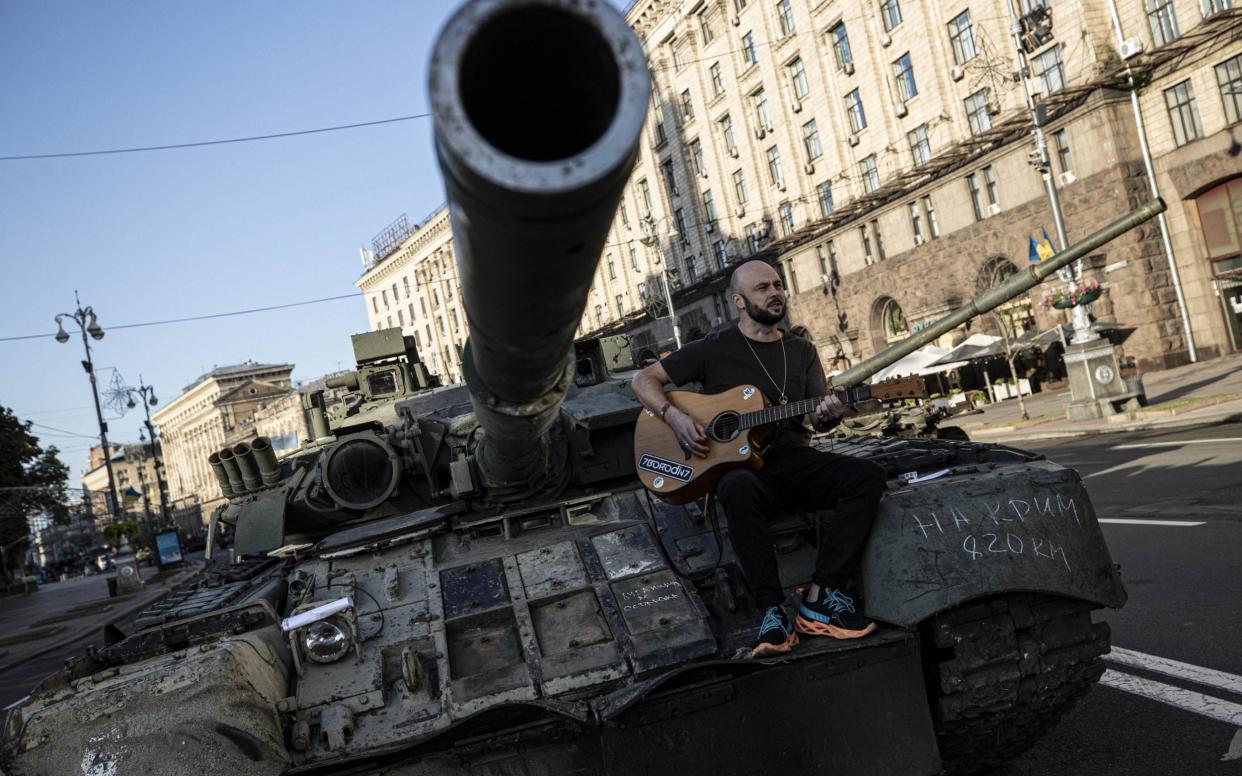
1045	248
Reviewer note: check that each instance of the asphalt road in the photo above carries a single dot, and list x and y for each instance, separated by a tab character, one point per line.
1185	605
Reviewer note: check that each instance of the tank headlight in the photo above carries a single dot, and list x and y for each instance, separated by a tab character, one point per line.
326	641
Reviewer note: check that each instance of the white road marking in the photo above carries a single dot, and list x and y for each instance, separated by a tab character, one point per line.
1176	668
1189	700
1235	748
1128	521
1144	445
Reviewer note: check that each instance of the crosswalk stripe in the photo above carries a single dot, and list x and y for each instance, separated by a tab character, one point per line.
1132	521
1189	700
1162	665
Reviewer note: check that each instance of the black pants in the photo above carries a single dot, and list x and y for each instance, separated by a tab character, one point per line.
800	478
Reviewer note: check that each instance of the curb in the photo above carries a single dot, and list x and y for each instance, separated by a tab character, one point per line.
1142	425
121	614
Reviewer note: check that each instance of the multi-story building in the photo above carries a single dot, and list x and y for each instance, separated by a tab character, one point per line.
133	468
410	281
206	416
878	153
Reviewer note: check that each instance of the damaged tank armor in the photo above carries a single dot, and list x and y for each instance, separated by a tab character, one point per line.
470	578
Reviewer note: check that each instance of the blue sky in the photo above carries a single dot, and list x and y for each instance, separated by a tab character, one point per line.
170	234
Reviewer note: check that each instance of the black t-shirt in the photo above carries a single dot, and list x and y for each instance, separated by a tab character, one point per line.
722	360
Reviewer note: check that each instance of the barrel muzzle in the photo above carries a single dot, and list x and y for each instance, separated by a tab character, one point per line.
221	475
265	459
245	463
229	462
538	107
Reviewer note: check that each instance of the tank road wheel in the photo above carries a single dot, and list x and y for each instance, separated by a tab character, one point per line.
1002	670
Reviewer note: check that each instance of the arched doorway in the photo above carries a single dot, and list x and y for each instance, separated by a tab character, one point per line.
1220	216
1017	315
888	323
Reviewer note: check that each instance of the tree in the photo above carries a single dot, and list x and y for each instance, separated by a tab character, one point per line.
32	480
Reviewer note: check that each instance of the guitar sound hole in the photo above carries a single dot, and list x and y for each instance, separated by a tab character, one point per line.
725	427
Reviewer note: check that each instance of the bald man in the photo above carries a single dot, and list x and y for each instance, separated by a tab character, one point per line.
795	476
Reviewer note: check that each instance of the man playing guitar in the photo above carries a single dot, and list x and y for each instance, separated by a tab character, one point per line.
794	475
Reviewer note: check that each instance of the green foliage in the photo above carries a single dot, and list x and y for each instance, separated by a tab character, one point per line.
32	481
112	533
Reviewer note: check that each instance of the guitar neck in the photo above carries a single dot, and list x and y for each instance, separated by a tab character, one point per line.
778	412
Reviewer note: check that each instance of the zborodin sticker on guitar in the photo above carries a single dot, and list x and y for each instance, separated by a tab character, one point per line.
677	471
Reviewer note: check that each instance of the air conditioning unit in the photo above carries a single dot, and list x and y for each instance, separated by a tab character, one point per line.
1068	177
853	140
1131	47
797	106
918	239
733	152
885	40
994	209
849	68
739	211
900	109
703	174
808	168
957	72
760	133
993	108
735	21
780	186
710	226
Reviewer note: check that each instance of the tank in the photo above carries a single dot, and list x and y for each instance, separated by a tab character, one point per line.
470	579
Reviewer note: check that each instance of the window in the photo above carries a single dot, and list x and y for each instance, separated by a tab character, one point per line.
633	256
775	176
1212	7
840	46
890	14
687	106
1163	20
762	117
599	314
738	5
989	182
680	219
1183	115
422	305
821	253
810	141
705	28
832	256
717	79
395	295
748	49
854	112
401	318
784	17
726	130
893	321
625	214
791	273
916	222
722	258
670	180
754	237
870	174
435	297
390	320
709	207
933	226
375	303
903	72
406	283
411	306
696	156
384	296
661	137
612	268
824	192
977	112
787	219
418	338
1060	144
644	194
920	146
962	37
674	49
453	320
879	240
1049	71
1229	77
797	79
620	304
976	195
739	186
868	256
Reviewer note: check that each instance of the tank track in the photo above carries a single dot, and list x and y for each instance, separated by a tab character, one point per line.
1003	670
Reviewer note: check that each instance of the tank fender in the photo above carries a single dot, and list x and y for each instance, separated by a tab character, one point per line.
1024	528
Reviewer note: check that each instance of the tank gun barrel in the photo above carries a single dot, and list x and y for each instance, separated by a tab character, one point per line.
997	295
538	108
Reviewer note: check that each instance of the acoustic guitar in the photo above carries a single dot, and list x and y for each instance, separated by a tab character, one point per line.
737	421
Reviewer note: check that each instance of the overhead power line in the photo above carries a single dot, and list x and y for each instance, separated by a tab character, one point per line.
200	317
196	144
62	431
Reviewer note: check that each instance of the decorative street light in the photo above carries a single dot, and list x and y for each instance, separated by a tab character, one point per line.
146	394
652	240
87	324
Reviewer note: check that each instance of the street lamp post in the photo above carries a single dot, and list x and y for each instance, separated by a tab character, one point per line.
146	394
87	324
652	240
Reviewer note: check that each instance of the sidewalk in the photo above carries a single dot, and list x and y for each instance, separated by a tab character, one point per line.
1206	393
60	613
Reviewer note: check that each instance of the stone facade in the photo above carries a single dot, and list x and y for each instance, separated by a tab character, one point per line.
133	466
215	410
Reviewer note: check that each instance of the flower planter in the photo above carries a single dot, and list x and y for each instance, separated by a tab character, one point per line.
1086	297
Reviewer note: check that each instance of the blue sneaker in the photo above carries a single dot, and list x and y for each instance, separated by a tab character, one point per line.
832	614
775	635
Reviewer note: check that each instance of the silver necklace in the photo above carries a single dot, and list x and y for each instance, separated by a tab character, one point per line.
784	366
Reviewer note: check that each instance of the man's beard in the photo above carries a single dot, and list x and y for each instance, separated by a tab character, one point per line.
762	314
